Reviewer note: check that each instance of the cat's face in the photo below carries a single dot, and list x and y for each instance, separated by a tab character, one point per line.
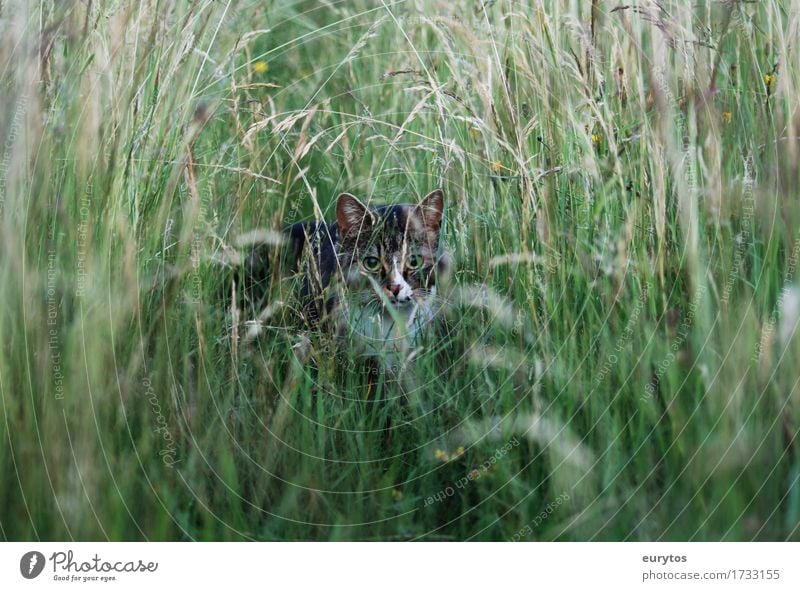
388	255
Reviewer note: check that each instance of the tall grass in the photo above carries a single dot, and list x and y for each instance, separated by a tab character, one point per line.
622	213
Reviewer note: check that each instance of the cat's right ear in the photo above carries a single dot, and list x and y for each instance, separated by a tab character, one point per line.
351	214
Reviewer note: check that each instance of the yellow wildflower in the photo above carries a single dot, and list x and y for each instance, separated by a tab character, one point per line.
441	455
496	166
596	138
769	79
727	116
260	67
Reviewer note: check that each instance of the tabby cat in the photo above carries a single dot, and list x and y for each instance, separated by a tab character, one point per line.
370	276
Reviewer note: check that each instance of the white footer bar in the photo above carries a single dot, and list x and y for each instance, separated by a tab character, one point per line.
389	566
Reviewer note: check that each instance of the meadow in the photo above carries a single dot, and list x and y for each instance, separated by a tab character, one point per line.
622	213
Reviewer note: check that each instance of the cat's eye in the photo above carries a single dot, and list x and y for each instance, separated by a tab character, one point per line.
371	264
414	261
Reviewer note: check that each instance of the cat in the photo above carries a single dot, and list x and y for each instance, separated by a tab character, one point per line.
369	277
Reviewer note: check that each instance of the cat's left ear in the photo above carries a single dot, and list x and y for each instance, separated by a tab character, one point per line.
351	214
431	209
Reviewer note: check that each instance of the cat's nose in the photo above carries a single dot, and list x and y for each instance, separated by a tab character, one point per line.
396	290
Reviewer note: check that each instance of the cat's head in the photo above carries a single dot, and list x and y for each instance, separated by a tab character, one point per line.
390	253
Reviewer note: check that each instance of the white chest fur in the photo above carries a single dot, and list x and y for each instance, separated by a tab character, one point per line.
387	330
